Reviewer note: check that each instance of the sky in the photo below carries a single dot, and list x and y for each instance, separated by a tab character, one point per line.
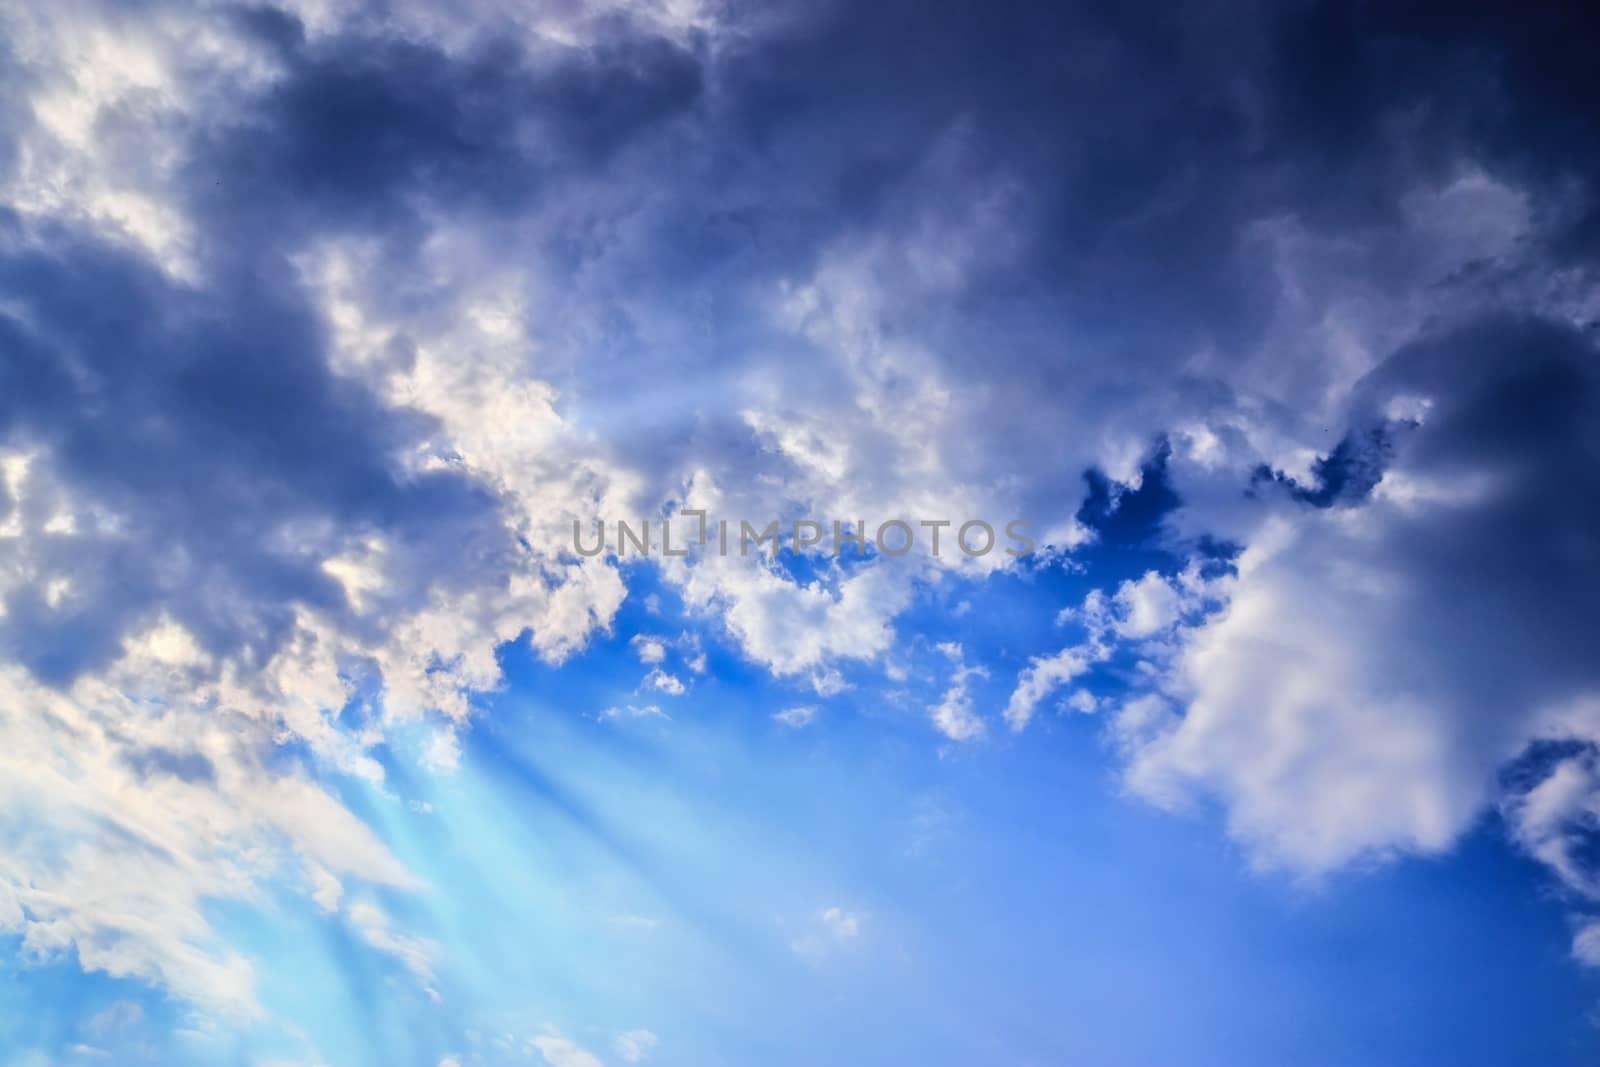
331	329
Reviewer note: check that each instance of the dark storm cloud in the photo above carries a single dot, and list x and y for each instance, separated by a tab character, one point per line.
1130	127
209	424
1511	85
1146	139
364	132
1152	134
1516	603
206	419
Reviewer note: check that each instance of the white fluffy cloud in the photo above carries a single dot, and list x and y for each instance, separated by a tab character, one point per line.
1042	675
954	716
1377	663
650	650
1297	710
669	684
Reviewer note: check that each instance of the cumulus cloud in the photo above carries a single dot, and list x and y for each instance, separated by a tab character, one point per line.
669	684
795	628
954	715
650	650
1139	610
1042	675
1377	662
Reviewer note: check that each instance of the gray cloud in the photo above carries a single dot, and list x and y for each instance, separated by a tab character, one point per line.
225	460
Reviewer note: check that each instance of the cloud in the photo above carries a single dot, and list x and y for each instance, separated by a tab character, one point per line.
1042	675
954	716
693	652
119	1017
561	1051
633	711
635	1046
666	683
1586	944
1377	663
416	954
801	715
113	856
798	629
215	498
1140	610
1149	606
650	650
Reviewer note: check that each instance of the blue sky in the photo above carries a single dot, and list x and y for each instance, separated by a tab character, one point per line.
324	324
1009	903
